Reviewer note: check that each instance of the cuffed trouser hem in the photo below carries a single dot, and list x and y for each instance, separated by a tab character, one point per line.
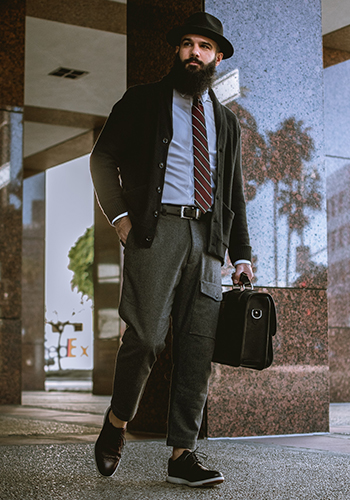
124	418
181	443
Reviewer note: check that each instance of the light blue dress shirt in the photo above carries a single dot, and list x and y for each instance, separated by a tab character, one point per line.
179	177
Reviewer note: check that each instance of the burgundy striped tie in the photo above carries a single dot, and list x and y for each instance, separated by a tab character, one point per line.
202	175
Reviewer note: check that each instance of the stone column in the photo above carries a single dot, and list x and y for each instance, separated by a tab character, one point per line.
278	55
33	284
337	148
12	20
107	327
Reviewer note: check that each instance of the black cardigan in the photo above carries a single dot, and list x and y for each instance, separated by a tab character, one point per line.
128	166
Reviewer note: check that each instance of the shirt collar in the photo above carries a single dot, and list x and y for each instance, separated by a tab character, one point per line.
205	96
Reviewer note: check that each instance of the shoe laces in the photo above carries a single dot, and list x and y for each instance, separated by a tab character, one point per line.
117	445
196	455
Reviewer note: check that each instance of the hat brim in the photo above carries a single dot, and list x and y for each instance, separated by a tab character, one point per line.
174	37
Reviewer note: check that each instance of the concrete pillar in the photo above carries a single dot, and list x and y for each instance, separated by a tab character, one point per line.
337	149
33	284
12	18
281	114
107	326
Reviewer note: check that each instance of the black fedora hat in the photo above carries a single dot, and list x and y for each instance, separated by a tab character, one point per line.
202	23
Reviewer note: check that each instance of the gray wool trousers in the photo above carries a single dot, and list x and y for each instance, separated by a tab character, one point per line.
175	277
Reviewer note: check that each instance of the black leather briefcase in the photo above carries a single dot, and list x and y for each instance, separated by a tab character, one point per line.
247	323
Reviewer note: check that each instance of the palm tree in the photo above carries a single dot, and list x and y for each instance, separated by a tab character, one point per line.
254	152
289	147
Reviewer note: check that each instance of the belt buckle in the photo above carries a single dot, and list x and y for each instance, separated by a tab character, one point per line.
182	213
196	216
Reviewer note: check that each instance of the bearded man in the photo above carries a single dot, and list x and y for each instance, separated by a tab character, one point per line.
167	174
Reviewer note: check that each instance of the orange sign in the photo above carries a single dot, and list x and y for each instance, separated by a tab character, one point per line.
70	347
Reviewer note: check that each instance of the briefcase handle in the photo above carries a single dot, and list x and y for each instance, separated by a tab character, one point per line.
244	282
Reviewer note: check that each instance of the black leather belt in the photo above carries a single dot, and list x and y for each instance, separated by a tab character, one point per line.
182	211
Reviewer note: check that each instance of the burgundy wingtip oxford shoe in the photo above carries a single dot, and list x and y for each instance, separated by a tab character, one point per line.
108	447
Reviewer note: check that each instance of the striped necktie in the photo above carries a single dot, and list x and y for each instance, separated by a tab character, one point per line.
202	174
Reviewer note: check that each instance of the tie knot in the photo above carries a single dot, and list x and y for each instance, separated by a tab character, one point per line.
197	99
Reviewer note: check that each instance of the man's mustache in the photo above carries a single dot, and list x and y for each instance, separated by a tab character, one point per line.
193	59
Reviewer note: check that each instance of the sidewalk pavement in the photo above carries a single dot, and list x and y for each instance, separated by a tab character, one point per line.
46	452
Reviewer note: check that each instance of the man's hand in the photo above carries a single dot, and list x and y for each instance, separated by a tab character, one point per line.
242	268
122	227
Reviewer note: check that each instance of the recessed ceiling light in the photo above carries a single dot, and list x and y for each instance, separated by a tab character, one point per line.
73	74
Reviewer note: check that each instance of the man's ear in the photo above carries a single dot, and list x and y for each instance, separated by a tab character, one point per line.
177	48
219	57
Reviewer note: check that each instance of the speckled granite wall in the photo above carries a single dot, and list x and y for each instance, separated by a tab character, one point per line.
12	15
278	55
10	254
339	362
280	108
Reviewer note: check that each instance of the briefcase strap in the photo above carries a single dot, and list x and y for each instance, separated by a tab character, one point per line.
245	281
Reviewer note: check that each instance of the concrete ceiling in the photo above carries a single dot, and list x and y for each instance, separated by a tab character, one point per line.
41	136
61	113
336	31
59	109
50	45
335	15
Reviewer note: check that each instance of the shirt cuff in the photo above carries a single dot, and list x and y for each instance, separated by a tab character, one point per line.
242	261
124	214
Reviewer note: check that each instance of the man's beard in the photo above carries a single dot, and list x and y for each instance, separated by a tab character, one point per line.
192	80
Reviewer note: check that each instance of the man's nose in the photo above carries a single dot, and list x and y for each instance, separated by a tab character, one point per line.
195	51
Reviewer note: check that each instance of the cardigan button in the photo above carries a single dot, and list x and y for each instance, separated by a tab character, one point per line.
148	238
159	189
161	165
156	213
165	140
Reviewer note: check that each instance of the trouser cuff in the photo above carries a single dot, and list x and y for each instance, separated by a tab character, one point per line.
120	415
181	443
